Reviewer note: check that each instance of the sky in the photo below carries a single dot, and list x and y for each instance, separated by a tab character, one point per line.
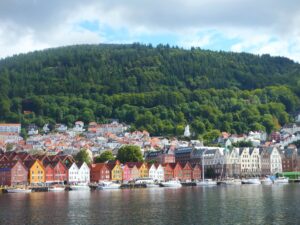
255	26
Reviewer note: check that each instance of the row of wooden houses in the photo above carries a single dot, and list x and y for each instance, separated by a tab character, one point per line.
23	169
129	171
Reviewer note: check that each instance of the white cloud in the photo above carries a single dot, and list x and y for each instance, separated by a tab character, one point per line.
257	26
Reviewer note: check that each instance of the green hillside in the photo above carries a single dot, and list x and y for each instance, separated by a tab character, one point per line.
160	89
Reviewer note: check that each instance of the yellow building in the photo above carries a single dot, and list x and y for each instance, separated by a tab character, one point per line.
115	170
143	169
36	171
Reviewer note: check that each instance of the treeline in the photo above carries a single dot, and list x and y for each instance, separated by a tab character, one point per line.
159	89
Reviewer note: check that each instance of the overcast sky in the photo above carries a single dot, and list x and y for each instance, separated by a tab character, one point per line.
256	26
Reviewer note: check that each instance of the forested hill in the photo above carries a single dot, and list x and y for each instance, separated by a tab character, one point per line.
159	89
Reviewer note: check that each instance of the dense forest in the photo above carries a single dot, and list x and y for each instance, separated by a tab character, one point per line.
160	89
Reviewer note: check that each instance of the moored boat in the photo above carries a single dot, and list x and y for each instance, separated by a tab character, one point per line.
18	190
56	188
230	182
79	186
266	181
105	185
152	185
171	183
251	181
281	180
206	182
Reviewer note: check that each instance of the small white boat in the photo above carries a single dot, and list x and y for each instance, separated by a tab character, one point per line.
105	185
18	190
79	186
206	182
152	185
281	180
145	180
251	181
171	183
266	181
230	182
56	188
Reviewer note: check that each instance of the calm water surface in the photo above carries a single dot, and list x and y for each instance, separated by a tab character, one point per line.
245	204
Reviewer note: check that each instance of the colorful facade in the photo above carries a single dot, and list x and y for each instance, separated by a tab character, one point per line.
116	172
13	173
36	171
99	172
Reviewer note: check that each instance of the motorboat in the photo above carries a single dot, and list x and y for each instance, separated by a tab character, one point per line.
79	186
230	182
171	183
206	182
266	181
251	181
108	185
152	185
18	190
281	180
56	188
144	181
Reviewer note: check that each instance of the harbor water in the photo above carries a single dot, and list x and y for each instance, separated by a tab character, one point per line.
241	204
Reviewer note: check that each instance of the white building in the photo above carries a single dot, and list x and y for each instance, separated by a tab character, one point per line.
73	173
271	161
156	172
84	173
78	128
10	128
250	160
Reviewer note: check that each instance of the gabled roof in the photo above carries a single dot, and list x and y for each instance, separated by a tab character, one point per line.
3	158
8	165
29	163
99	166
187	164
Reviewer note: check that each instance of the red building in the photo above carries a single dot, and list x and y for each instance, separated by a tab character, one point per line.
99	171
187	171
49	173
196	175
178	172
169	171
13	173
60	171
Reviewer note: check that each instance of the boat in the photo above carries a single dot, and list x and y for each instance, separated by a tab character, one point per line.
281	180
56	188
206	182
105	185
266	181
148	182
251	181
171	183
18	190
152	185
144	181
230	182
79	186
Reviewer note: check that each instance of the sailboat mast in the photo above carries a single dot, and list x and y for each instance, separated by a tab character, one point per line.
203	165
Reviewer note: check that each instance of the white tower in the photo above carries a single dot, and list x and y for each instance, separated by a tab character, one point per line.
187	132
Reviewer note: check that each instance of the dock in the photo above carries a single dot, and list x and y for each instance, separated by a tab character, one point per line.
294	180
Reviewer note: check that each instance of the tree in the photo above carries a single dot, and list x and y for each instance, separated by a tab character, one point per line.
105	156
130	153
242	144
211	136
83	156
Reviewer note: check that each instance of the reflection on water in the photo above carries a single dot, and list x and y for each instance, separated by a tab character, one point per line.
245	204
